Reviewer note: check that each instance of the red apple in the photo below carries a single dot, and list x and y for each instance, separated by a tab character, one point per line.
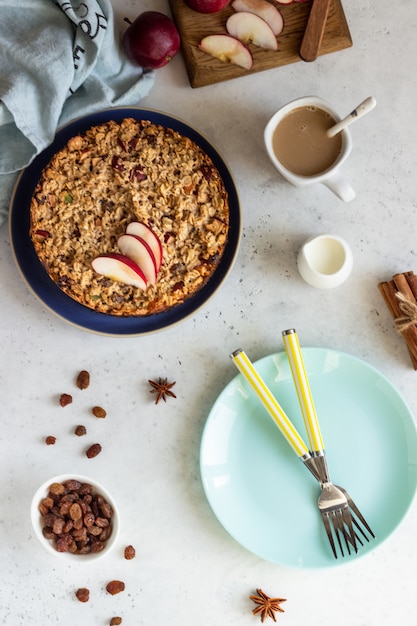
207	6
151	40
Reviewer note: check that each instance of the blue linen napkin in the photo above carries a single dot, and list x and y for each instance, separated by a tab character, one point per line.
59	59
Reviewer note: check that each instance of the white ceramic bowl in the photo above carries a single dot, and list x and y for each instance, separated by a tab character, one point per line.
37	523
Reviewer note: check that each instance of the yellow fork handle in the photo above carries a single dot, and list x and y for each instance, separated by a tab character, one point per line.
305	398
280	418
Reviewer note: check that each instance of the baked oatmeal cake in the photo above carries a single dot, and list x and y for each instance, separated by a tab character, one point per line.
115	174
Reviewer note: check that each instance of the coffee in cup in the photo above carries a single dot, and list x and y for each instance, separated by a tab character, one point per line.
301	144
298	145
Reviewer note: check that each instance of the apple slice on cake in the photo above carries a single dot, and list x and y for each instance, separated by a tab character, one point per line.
120	268
140	252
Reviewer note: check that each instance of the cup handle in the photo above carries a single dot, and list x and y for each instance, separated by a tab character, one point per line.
339	186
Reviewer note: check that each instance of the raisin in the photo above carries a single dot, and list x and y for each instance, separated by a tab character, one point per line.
75	512
130	553
115	586
58	526
50	440
83	594
98	411
106	509
98	546
93	450
61	545
83	379
89	519
80	430
57	489
115	621
72	485
65	399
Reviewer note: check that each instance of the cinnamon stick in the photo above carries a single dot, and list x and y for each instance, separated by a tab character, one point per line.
412	282
389	289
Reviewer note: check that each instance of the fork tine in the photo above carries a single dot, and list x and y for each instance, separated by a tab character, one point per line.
342	529
325	518
358	514
349	536
337	529
361	519
361	531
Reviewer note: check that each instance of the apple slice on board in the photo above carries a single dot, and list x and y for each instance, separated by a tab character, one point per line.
140	252
264	10
227	49
251	28
143	230
120	268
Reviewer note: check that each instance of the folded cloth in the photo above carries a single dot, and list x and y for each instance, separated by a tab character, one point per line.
59	59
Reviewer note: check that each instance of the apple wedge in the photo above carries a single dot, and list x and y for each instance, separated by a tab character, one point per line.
286	1
120	268
140	252
227	49
263	9
250	28
143	230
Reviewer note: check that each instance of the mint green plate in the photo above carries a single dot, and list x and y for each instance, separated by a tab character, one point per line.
264	496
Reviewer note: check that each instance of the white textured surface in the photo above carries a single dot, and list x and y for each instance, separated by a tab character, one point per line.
188	570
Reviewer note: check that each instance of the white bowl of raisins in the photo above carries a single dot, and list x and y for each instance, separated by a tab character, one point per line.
74	517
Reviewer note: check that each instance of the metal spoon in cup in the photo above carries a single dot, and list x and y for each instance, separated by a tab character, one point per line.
362	108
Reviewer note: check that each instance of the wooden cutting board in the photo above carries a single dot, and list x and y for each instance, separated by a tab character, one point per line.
203	69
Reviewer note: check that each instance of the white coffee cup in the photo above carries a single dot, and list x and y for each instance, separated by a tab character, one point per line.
325	261
330	177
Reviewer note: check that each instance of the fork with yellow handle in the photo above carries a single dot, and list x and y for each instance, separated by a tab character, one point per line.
246	368
344	509
332	503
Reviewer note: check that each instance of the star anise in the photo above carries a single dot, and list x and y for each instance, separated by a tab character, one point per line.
162	388
266	606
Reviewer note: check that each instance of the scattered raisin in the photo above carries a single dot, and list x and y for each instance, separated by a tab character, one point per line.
83	594
93	450
115	586
83	379
98	411
65	399
50	440
115	621
80	430
130	553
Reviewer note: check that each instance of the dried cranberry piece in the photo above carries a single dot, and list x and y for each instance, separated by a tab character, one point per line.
137	174
117	163
207	172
